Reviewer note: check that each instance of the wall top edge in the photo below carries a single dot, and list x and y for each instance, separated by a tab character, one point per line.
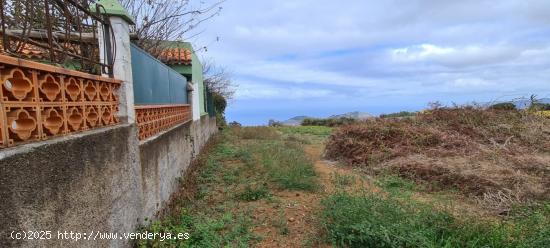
5	59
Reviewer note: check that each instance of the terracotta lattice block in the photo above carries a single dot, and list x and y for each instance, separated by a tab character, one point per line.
73	89
53	122
17	85
2	129
153	119
75	118
91	91
39	101
106	115
22	124
49	88
92	116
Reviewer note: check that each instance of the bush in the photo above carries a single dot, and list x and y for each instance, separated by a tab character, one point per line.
539	107
503	106
219	106
274	123
439	148
235	124
330	122
398	115
443	131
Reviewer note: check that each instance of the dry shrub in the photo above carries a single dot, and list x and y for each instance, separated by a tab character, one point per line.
440	132
482	153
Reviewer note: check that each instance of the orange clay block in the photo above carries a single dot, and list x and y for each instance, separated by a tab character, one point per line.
92	116
105	92
50	88
39	101
106	115
52	121
73	89
22	123
153	119
2	129
90	90
16	86
75	118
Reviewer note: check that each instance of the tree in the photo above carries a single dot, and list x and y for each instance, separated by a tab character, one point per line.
219	106
503	106
274	123
218	79
160	20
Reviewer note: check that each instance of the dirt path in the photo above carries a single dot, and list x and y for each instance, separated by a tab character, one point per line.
290	221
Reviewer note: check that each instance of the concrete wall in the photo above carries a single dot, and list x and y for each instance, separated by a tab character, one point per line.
102	180
165	158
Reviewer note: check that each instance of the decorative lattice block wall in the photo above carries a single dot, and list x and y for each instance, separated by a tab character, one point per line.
153	119
39	101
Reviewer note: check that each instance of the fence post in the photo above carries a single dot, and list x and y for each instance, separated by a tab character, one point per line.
120	22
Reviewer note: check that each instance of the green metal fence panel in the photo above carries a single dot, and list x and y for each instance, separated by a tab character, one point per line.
155	82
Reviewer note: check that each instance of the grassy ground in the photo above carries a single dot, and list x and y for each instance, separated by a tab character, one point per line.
270	187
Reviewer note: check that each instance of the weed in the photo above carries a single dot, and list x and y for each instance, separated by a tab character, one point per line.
395	185
342	180
225	150
308	130
253	193
260	133
288	166
231	176
374	221
297	139
281	224
246	156
203	231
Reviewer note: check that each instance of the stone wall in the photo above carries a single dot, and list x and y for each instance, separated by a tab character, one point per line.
102	180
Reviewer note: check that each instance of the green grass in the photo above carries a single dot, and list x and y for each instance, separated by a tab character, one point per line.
262	133
287	165
204	231
342	180
308	130
281	224
253	193
222	225
256	157
369	220
395	185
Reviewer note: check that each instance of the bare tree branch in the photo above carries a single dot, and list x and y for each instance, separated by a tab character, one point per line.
161	20
218	79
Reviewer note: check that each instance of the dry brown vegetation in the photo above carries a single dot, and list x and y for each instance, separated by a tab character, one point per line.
498	157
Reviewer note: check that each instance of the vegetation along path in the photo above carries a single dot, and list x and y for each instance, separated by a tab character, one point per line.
271	187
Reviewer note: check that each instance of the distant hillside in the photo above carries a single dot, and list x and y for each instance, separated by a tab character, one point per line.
524	103
297	120
353	115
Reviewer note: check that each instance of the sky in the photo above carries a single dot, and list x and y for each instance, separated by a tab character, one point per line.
319	58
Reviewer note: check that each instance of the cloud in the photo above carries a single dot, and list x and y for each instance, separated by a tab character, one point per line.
251	90
380	53
471	55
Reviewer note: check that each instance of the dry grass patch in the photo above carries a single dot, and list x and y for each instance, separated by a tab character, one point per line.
499	157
